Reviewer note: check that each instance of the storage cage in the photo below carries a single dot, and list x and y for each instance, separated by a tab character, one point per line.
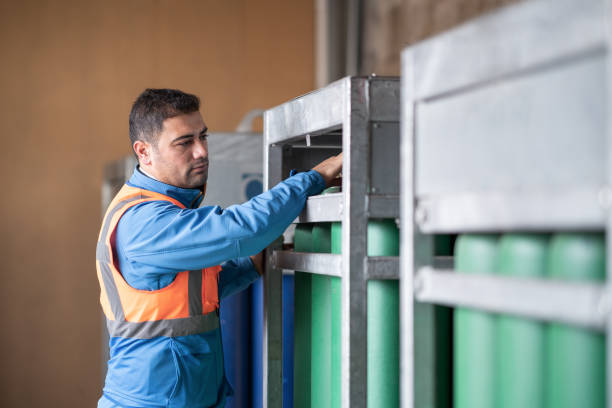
505	142
346	245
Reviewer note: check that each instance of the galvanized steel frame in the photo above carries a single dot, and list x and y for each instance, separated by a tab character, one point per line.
606	202
354	105
516	39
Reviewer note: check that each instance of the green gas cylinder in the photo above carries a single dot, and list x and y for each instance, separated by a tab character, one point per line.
322	336
473	329
336	290
519	359
575	357
321	324
302	322
383	320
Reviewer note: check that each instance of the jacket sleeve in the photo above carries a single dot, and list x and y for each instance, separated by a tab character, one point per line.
236	275
162	235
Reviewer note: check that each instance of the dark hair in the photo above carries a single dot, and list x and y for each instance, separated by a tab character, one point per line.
153	106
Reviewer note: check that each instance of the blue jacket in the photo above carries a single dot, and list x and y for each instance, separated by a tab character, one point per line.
156	240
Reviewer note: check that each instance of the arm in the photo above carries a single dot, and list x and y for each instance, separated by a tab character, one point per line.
236	275
161	235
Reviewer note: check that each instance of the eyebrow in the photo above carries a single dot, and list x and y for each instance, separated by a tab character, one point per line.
189	136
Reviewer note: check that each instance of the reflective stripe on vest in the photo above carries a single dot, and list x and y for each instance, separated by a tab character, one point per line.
188	305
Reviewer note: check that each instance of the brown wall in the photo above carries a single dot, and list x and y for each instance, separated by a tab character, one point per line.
391	25
69	72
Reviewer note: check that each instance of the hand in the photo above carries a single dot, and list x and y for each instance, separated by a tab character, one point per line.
258	262
329	168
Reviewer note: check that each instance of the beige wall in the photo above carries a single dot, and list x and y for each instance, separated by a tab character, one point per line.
69	72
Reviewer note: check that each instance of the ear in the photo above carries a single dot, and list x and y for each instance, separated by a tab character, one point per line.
143	152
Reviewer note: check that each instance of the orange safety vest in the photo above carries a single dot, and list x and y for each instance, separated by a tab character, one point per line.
188	305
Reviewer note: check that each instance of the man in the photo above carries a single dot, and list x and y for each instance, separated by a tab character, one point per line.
163	263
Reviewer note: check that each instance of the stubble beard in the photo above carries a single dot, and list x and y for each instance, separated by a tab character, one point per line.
197	180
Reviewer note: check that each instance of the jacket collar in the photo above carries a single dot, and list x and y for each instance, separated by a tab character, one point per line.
189	197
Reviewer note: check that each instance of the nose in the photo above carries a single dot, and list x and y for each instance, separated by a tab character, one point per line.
200	148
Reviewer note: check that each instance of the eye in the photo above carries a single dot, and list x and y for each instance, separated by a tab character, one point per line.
186	143
204	136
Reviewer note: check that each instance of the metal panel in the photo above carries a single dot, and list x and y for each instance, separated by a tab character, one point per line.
384	98
355	145
526	210
329	207
272	353
378	267
323	264
272	287
444	262
322	208
509	40
417	320
540	130
313	112
383	206
384	168
273	172
272	349
575	303
324	110
407	235
608	130
382	267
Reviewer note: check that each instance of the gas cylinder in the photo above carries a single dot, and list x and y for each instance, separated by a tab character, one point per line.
519	348
302	322
473	340
321	331
383	320
576	357
336	305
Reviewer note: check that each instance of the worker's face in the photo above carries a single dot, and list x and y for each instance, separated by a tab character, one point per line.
181	155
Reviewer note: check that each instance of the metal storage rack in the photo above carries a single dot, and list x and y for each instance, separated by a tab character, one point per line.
504	127
359	116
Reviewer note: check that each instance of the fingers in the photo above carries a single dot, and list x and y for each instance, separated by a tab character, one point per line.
329	168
